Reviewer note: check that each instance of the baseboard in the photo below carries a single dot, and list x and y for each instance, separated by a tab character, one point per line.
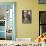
24	39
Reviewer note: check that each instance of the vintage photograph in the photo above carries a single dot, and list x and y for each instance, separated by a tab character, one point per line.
26	16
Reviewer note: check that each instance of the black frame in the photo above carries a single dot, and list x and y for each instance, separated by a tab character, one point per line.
30	18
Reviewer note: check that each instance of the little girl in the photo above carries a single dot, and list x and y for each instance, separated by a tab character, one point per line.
44	42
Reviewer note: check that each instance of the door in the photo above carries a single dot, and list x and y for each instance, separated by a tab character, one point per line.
8	14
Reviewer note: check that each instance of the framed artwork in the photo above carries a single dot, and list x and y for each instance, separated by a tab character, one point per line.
42	22
7	20
26	16
42	1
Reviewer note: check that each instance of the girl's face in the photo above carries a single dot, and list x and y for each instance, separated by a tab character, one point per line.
45	36
25	14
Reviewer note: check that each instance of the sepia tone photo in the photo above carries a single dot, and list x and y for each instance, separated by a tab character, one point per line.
26	16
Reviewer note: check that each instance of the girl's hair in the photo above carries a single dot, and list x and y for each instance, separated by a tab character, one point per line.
44	40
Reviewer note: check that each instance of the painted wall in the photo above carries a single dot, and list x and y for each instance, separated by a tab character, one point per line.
27	30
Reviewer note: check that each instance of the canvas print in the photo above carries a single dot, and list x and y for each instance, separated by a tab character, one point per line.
26	16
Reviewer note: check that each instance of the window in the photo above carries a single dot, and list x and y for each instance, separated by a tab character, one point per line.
7	21
42	1
42	22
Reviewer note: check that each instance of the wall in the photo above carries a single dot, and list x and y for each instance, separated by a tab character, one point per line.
27	30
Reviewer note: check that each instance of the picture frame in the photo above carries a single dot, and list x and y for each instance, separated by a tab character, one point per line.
26	16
